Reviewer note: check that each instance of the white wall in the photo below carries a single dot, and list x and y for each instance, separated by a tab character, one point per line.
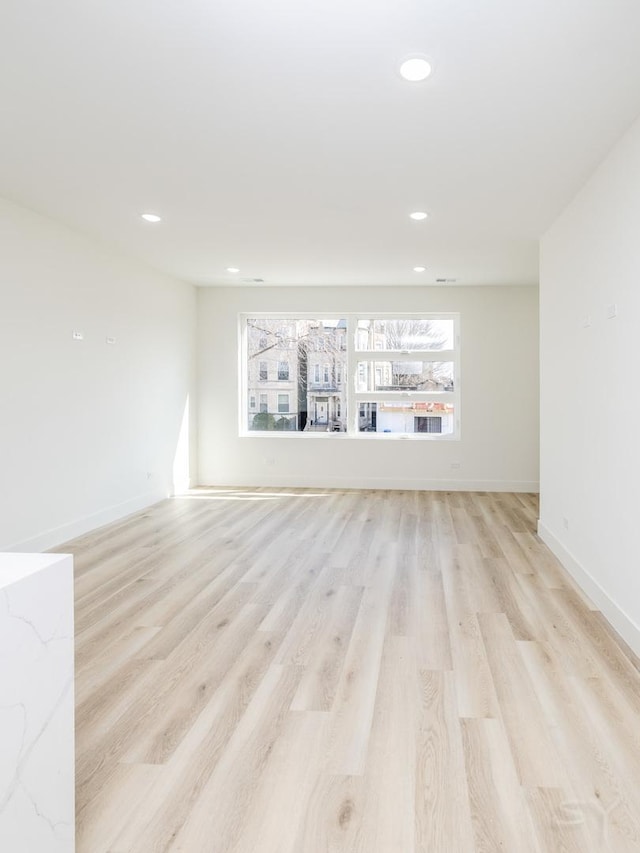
590	368
499	376
84	424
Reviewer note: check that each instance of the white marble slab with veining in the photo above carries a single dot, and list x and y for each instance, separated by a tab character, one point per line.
36	704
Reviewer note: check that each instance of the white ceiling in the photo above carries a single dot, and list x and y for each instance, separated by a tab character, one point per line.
277	136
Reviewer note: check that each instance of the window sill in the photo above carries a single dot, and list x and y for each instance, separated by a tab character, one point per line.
323	435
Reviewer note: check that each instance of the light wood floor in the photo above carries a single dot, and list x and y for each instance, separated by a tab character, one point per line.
298	671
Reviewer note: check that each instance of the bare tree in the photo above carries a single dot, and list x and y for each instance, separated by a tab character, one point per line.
410	334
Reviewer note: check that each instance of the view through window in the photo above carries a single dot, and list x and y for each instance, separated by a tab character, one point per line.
351	374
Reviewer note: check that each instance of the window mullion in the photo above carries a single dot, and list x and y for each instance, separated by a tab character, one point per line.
350	377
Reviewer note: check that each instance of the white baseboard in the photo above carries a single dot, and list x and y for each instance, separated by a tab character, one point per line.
56	536
394	484
623	624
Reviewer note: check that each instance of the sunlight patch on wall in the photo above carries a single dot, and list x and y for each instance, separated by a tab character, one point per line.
181	481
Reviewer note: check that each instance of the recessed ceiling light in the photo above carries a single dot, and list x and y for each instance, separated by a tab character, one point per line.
151	217
233	269
418	215
419	269
415	69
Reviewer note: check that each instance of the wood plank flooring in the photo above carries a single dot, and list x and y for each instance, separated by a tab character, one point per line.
316	671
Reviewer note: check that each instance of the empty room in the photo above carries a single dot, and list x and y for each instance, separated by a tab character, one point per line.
318	426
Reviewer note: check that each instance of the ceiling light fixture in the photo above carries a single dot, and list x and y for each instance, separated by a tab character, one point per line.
415	69
233	269
151	217
418	215
419	269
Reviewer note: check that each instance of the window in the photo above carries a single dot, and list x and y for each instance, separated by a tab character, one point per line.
407	376
430	423
406	334
377	376
393	416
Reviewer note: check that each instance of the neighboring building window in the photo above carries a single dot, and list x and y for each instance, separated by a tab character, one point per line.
283	370
429	424
380	375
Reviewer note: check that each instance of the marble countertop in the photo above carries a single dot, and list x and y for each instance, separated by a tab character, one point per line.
16	566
